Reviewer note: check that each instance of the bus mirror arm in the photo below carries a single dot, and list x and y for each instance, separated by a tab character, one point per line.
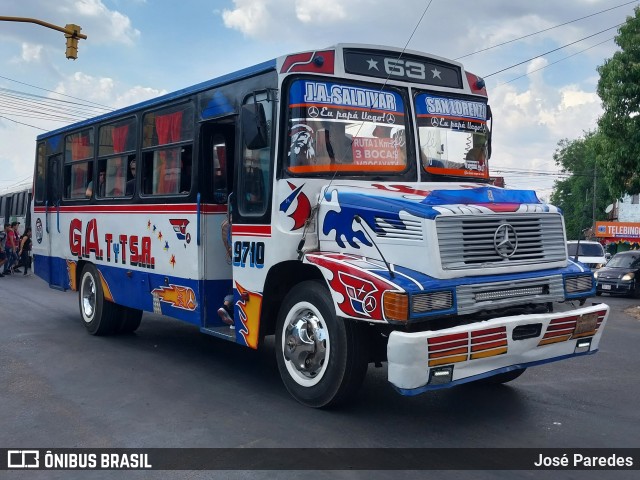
46	216
198	219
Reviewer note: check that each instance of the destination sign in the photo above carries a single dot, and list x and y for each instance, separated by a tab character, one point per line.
406	67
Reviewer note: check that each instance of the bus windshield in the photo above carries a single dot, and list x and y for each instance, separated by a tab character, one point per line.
453	135
336	127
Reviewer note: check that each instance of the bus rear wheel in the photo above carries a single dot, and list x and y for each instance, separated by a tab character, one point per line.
99	316
130	320
321	359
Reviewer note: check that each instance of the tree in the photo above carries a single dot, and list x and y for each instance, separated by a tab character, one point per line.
619	89
574	195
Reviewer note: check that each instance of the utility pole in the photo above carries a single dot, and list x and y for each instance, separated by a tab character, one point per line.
593	216
71	32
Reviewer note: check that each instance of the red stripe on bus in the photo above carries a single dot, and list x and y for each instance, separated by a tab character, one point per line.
251	230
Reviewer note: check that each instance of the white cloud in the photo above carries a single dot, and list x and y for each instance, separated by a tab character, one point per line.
309	11
30	52
250	17
135	95
105	25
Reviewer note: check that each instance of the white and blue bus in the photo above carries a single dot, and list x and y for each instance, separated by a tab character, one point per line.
15	205
364	228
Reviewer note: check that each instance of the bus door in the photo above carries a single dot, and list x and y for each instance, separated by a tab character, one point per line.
56	267
251	214
217	146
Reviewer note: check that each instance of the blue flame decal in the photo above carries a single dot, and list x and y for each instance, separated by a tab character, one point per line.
387	208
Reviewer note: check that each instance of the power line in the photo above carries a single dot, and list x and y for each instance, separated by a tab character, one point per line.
54	101
551	51
21	123
544	30
553	63
57	93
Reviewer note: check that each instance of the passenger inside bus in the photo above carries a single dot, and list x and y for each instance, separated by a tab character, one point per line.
185	170
101	184
475	159
131	182
333	144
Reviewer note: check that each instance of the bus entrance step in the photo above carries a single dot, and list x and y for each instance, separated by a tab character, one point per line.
220	332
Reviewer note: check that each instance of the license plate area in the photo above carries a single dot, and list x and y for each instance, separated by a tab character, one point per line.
606	287
586	324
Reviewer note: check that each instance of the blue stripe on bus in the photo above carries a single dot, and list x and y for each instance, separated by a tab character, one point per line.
136	290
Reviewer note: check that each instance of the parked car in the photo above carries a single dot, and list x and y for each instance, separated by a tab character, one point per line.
620	275
590	253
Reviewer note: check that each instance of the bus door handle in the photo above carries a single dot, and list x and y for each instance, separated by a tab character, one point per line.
46	216
198	219
58	215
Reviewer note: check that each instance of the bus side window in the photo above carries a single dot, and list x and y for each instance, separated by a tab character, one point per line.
219	156
253	184
185	169
255	172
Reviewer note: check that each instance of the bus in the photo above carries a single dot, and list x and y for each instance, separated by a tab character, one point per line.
354	184
15	205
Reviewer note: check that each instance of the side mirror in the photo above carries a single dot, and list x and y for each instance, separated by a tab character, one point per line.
254	126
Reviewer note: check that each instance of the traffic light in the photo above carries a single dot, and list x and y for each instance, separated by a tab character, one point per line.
71	35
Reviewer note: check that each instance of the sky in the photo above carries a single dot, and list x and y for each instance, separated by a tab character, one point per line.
139	49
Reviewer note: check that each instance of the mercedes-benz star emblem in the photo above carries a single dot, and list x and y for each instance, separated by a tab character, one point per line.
313	112
505	240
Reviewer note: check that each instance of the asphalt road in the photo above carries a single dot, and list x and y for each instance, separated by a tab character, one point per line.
168	385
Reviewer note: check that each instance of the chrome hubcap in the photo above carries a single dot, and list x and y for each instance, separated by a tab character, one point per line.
305	343
88	297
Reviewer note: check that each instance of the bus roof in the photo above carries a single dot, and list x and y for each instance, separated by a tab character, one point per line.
24	185
230	77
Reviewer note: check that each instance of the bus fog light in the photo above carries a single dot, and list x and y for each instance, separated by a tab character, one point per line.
583	345
441	375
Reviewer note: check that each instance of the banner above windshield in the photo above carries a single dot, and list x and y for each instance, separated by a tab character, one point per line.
453	135
345	128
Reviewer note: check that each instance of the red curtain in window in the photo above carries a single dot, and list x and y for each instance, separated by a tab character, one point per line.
119	137
79	180
80	148
169	129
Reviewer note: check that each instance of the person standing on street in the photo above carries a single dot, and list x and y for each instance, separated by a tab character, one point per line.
25	250
16	245
9	248
3	256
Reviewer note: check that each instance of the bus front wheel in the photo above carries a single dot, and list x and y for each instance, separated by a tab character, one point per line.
502	377
99	316
321	359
